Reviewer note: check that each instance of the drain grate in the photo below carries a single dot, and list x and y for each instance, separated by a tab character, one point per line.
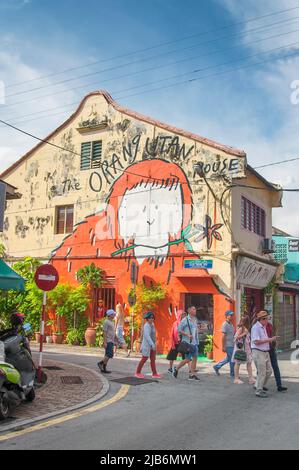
69	380
133	381
53	368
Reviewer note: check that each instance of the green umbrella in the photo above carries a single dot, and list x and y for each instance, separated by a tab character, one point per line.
9	279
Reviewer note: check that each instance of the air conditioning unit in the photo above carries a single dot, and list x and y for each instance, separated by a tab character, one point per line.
269	246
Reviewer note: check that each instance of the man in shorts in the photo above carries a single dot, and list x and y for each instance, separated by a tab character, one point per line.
109	340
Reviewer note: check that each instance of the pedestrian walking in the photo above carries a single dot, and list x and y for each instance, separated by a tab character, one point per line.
188	329
109	340
260	345
274	360
228	334
242	351
148	347
175	341
119	329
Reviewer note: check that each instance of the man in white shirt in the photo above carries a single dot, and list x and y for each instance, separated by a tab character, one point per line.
260	345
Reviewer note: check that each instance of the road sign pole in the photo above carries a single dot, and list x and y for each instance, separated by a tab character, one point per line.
42	335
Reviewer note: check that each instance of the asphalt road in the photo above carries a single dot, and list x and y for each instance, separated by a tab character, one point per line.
177	415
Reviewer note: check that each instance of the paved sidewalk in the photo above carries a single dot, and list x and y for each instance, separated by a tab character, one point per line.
57	395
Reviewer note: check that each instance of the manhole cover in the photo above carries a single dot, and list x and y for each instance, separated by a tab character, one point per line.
133	381
53	368
68	380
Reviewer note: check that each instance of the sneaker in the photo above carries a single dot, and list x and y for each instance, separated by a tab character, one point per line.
139	376
216	371
175	372
261	395
194	377
170	371
101	366
105	371
282	389
157	376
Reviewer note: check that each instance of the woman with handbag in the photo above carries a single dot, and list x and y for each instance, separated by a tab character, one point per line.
242	351
175	341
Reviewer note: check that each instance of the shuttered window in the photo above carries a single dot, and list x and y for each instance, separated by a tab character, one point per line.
253	217
91	155
64	219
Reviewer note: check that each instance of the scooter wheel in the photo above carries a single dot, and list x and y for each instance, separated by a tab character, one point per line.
4	408
31	396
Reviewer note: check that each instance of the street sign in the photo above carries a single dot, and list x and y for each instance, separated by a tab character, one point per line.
46	277
198	264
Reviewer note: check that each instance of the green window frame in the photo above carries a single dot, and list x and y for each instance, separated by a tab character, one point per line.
91	155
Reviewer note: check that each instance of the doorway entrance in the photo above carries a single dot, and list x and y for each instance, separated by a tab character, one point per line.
204	304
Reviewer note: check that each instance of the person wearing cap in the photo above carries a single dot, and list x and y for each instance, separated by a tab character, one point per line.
228	343
260	345
109	339
148	347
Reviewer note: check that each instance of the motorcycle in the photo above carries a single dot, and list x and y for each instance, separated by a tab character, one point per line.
17	370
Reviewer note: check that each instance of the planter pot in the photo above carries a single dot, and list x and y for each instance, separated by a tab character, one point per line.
49	339
57	339
210	356
90	336
37	337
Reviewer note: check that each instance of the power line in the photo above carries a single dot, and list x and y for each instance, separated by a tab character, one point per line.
137	72
146	59
277	163
188	73
158	45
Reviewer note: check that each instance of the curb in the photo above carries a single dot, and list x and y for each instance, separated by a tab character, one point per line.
98	397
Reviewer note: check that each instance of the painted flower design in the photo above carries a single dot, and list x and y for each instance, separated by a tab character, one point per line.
209	232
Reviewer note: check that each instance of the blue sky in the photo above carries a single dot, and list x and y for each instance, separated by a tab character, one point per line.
249	108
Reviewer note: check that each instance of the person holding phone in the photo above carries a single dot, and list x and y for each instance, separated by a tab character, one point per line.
260	345
274	360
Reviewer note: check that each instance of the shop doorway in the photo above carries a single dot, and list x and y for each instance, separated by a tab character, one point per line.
204	304
255	302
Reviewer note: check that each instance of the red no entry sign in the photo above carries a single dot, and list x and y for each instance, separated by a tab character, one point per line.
46	277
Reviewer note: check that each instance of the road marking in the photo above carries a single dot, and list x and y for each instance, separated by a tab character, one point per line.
62	419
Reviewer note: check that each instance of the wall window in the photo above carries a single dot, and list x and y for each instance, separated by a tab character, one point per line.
253	217
91	155
64	219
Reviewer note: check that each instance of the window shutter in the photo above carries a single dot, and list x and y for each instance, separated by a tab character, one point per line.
86	156
96	154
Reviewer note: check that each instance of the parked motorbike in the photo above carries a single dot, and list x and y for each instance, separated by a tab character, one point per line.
17	369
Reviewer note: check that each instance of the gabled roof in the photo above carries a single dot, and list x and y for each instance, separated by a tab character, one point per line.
134	115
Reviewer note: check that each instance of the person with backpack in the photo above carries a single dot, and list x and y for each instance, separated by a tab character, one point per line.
188	329
242	351
228	334
175	341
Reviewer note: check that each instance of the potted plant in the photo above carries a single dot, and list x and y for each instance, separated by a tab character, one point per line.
59	302
92	278
209	345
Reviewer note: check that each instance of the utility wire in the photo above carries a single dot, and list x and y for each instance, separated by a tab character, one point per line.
196	71
146	59
188	59
158	46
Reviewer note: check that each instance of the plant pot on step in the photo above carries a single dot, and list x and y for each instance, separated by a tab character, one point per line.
90	336
49	339
37	337
210	355
57	338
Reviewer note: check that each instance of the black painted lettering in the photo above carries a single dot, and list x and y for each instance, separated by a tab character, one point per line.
151	147
116	164
129	153
216	167
106	172
96	182
234	165
183	152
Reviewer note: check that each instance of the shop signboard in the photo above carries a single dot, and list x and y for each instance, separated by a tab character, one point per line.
254	274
